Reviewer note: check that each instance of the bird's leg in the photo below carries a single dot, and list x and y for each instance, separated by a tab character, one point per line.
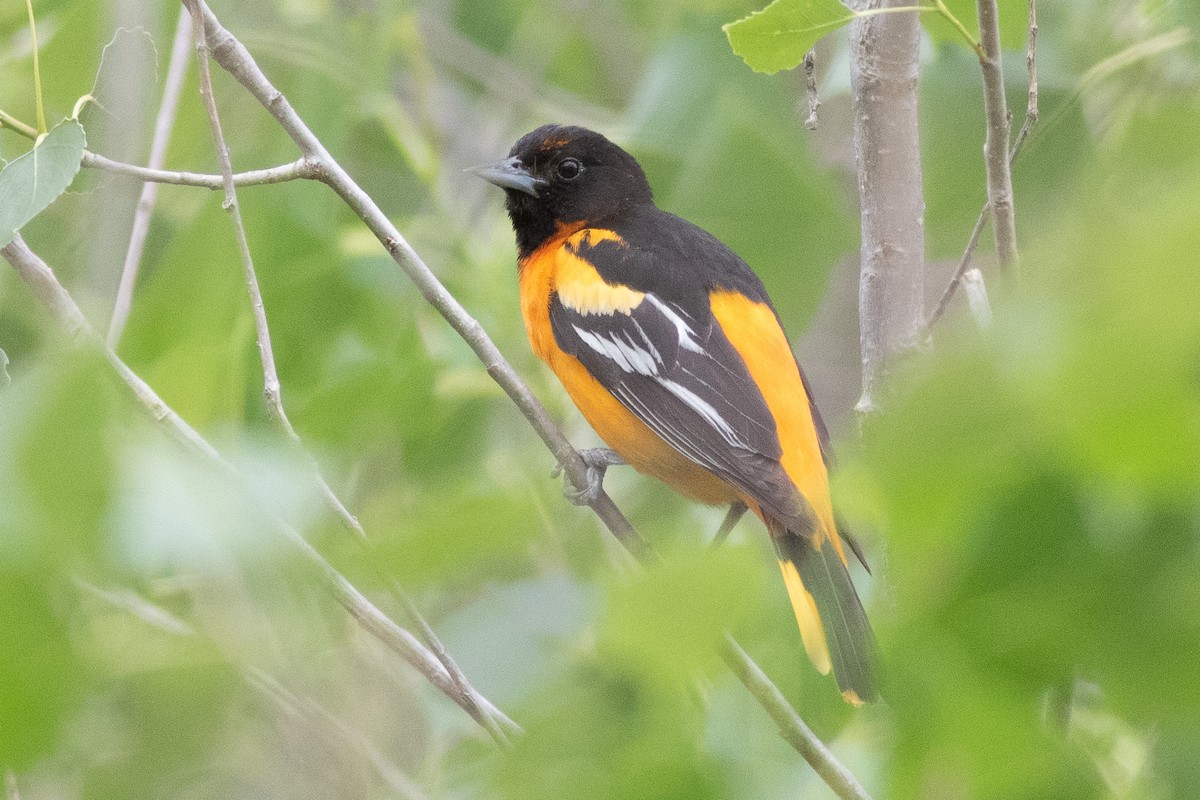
598	460
736	509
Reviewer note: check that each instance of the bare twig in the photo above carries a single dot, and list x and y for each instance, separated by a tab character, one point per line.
1031	118
791	727
10	785
296	170
810	89
45	286
435	645
995	146
163	124
271	387
883	81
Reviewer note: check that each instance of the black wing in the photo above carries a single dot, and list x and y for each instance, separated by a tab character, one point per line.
681	377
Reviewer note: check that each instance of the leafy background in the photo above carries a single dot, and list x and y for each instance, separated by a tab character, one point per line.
1028	501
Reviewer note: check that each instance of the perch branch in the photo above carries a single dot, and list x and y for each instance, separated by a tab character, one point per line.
296	170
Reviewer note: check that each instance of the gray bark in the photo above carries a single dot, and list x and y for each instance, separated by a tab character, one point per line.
883	82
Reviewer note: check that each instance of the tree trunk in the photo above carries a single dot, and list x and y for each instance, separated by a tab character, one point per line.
883	81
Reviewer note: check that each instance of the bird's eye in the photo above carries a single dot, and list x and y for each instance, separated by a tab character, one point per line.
569	169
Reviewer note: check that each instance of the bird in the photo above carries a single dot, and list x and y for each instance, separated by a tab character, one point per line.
669	346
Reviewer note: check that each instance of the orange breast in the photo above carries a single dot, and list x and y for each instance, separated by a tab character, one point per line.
554	268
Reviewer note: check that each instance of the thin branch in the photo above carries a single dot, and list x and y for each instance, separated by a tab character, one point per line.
295	706
10	785
296	170
45	286
163	124
271	386
492	724
791	727
996	144
1031	118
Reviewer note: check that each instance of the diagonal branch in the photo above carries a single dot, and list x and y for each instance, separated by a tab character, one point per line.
163	124
45	286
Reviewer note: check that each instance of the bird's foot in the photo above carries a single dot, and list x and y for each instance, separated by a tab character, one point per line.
598	460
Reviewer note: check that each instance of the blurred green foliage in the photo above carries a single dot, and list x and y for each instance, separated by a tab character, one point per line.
1033	487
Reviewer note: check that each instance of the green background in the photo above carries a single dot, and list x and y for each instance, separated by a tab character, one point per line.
1028	501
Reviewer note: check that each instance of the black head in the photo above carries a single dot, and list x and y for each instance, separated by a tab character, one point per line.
558	175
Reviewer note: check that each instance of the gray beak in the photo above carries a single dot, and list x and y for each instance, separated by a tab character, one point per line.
509	174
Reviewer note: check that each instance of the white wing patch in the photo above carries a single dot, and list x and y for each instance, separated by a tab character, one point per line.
627	355
643	358
706	412
687	337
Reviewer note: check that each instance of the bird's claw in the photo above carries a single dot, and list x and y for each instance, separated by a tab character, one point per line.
597	460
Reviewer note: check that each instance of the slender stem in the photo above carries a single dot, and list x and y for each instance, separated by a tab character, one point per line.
1031	118
271	386
996	144
163	124
7	120
37	71
296	170
791	726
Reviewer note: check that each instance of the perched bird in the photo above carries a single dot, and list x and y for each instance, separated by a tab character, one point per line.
668	344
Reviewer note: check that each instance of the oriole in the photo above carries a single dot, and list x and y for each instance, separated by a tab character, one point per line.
670	347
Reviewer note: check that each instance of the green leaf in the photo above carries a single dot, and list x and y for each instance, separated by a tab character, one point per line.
36	179
777	37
